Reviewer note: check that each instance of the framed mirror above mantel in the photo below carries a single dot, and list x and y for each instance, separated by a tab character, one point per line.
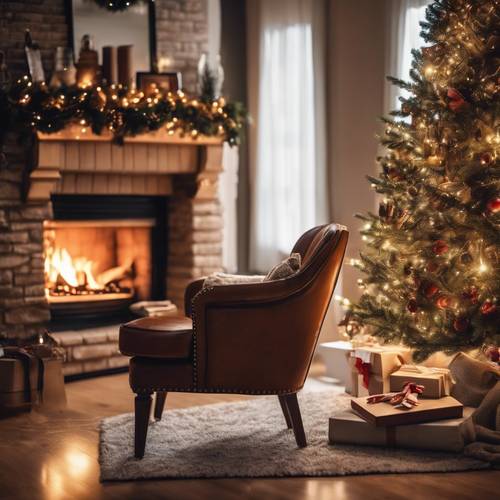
136	26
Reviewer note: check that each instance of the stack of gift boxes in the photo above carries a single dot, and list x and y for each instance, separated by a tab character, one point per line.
438	422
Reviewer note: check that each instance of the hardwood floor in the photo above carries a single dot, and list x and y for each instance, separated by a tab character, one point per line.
54	456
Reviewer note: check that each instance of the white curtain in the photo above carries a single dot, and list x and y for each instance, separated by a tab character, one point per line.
288	165
404	35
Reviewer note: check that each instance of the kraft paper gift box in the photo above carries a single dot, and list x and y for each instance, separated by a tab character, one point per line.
436	381
384	414
22	385
18	390
443	435
381	361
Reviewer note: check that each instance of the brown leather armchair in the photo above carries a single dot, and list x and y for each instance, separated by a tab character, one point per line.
254	338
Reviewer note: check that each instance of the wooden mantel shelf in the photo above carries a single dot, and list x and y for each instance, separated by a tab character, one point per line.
72	162
74	133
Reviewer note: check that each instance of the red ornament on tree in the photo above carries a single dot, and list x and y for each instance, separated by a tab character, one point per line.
456	100
440	247
430	290
443	302
488	307
493	205
461	324
471	294
412	306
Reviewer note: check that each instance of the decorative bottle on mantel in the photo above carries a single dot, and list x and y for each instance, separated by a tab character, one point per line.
64	68
34	58
88	65
210	78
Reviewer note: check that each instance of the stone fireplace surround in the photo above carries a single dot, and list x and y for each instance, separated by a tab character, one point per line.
68	162
182	35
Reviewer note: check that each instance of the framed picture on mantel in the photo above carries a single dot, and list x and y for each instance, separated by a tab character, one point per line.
167	82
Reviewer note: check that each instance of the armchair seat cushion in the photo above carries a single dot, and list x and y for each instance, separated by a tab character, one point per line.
169	337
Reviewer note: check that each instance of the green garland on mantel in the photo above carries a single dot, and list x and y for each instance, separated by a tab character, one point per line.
116	5
29	107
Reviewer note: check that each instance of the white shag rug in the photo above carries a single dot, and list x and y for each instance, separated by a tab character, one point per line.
250	439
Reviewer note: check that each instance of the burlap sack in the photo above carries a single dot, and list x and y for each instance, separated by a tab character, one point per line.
473	378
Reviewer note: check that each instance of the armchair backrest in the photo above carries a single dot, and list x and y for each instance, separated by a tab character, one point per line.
260	338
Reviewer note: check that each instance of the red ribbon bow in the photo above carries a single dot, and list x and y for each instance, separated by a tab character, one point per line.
407	398
364	370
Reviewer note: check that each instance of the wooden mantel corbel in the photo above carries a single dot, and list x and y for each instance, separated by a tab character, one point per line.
72	162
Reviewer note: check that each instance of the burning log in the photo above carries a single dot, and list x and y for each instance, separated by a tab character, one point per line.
70	277
116	274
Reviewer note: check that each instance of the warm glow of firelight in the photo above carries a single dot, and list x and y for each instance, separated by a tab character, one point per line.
74	272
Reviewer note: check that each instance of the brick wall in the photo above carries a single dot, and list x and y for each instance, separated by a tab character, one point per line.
22	301
182	35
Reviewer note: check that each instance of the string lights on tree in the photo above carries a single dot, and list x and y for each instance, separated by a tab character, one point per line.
431	265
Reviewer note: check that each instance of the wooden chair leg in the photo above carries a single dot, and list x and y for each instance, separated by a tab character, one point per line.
284	409
298	428
159	404
142	412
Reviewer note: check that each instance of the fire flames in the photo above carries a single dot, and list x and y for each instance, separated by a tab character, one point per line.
65	275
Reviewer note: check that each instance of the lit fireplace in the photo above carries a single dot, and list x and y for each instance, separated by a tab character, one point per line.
74	278
97	268
101	254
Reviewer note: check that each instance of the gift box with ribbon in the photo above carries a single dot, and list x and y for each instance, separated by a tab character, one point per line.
372	365
442	435
437	382
386	414
30	376
21	376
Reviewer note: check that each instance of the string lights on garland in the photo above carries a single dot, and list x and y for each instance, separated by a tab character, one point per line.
431	267
121	111
116	5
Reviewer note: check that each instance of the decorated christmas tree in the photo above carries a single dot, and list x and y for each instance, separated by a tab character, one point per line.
431	265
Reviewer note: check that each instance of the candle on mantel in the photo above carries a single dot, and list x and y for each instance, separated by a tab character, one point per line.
88	65
125	75
109	64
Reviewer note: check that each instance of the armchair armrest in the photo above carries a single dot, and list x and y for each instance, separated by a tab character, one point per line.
191	290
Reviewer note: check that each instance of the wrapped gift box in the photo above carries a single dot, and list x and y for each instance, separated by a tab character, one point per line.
18	389
29	380
384	414
383	360
443	435
436	381
379	362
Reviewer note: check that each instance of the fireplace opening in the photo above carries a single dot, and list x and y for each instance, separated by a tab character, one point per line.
102	253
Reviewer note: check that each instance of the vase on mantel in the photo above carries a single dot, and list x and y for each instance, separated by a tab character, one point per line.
210	78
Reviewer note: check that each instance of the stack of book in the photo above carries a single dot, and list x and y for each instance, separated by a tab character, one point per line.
154	308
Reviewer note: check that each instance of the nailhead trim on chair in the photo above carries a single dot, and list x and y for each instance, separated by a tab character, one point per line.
199	294
195	387
215	390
